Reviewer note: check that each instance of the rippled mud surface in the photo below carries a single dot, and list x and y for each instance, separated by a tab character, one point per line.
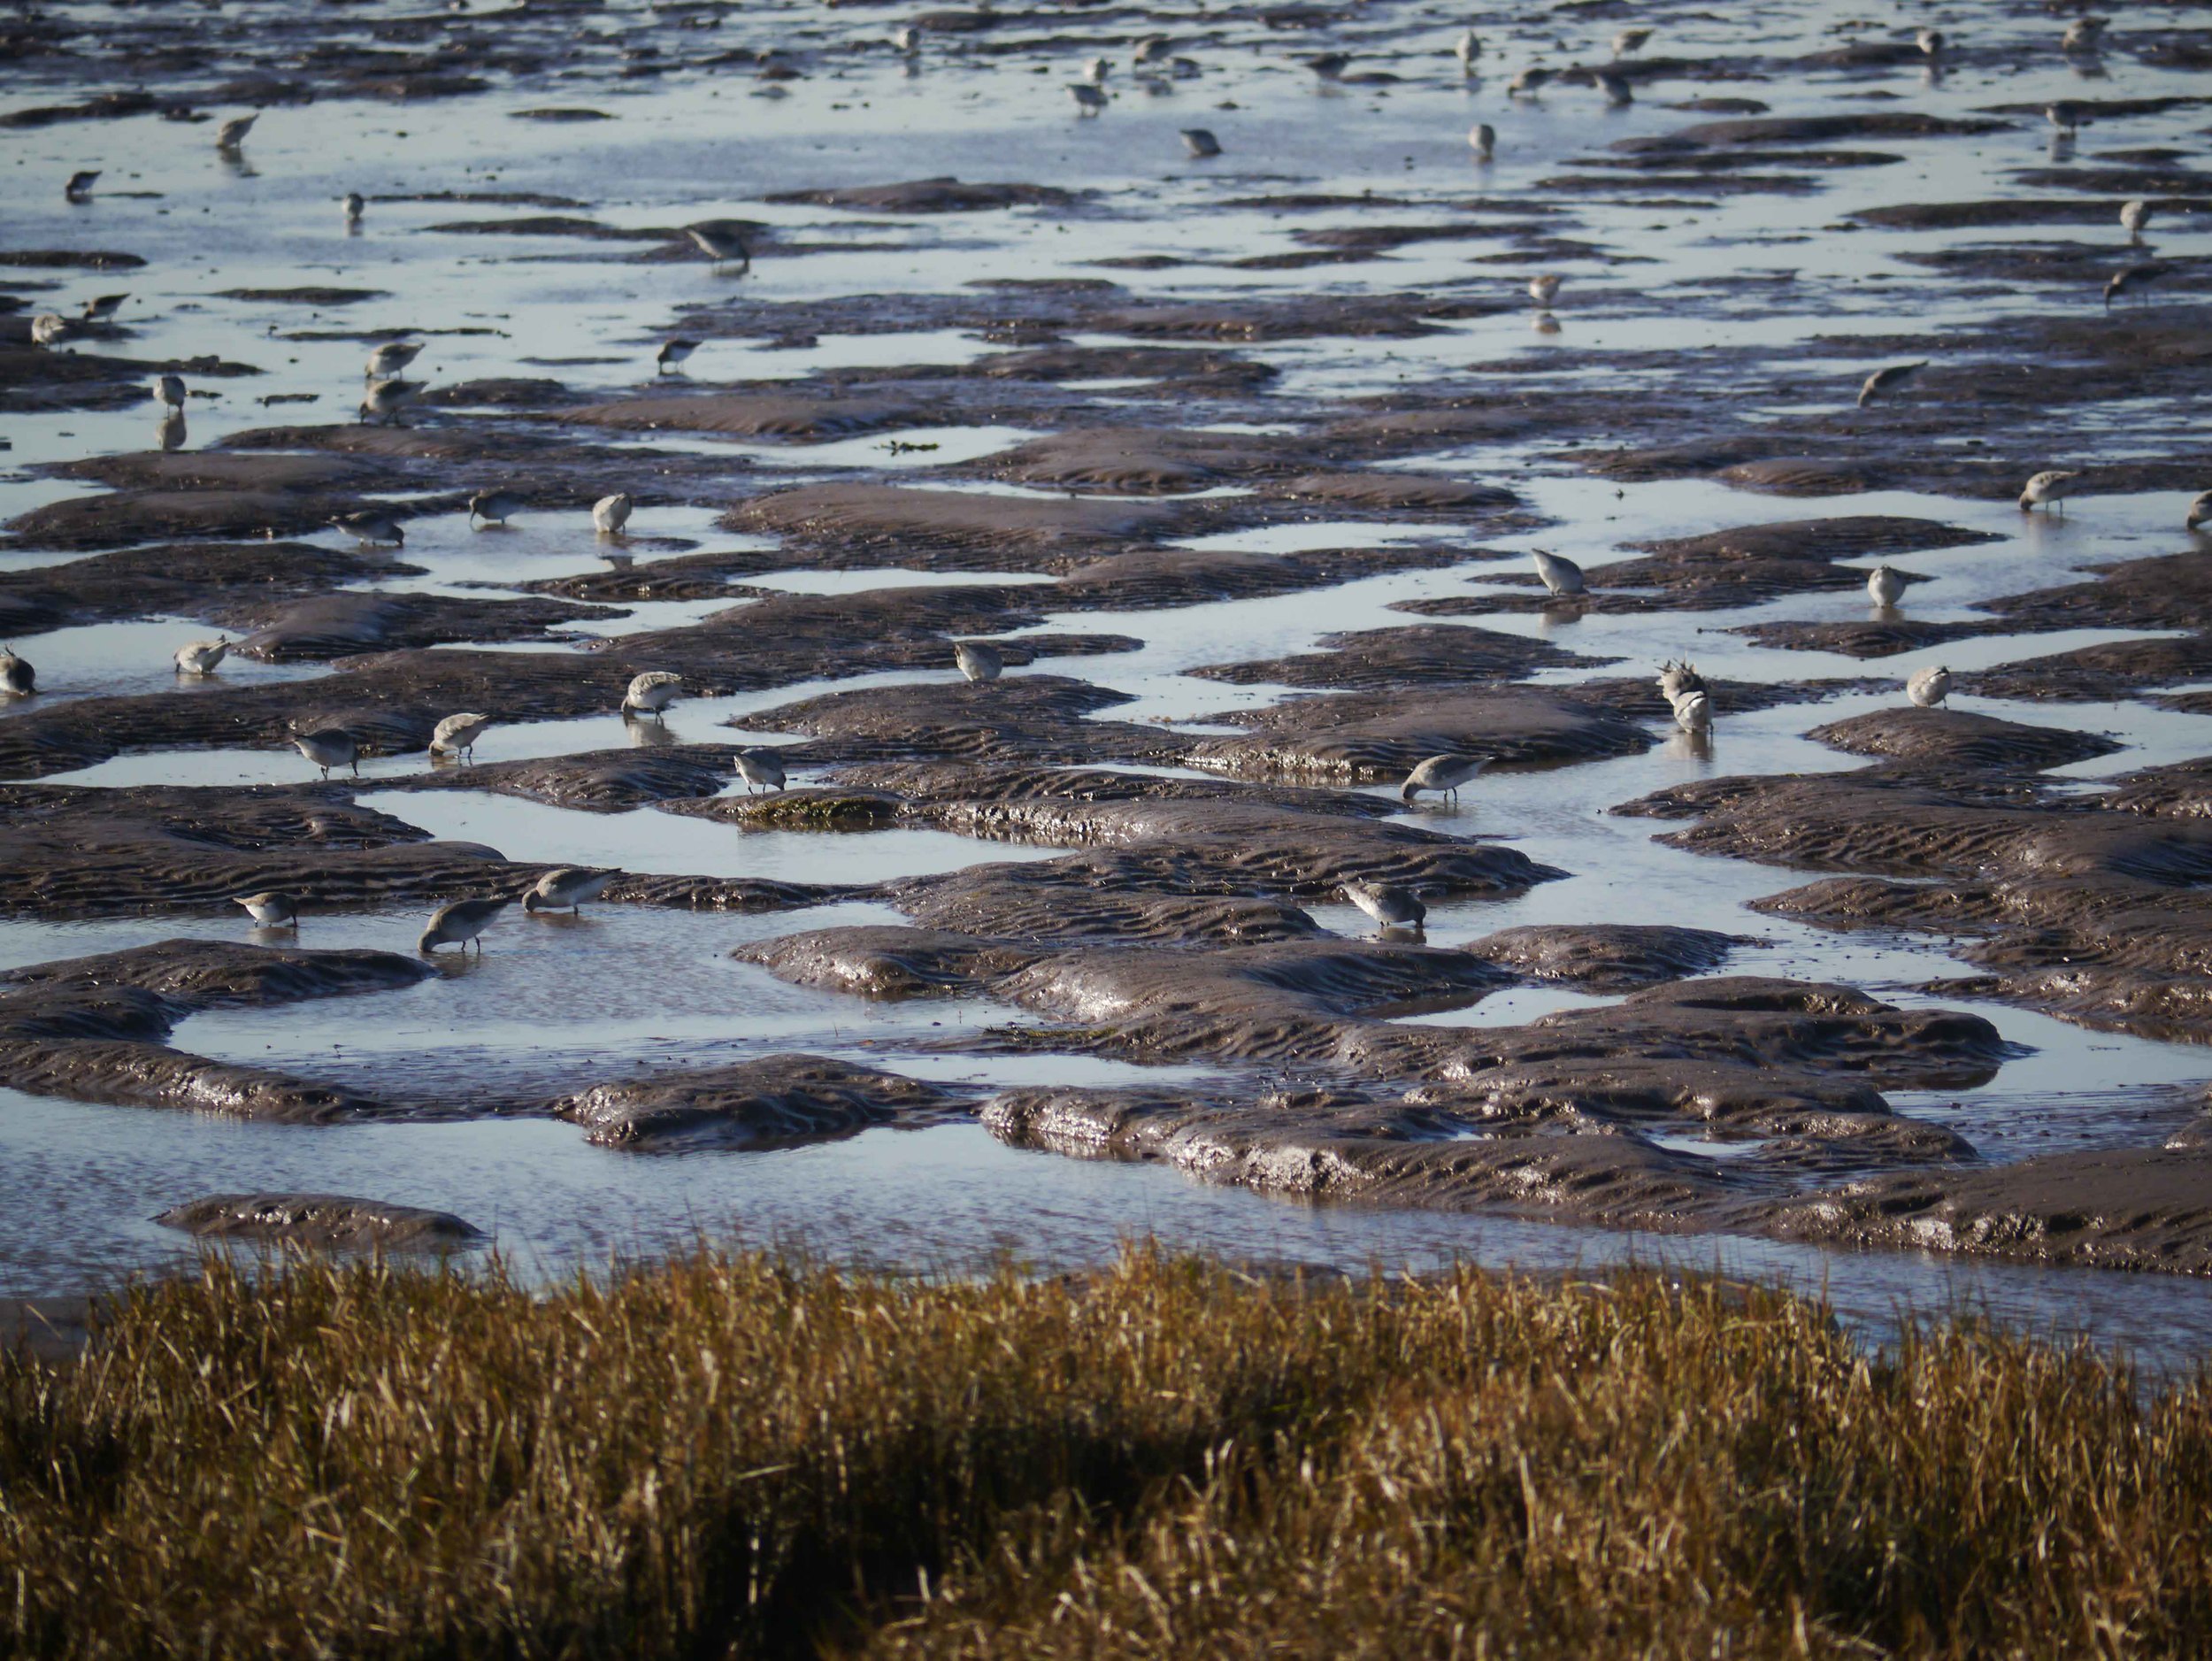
1235	463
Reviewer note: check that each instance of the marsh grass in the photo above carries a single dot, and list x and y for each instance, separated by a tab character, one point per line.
735	1455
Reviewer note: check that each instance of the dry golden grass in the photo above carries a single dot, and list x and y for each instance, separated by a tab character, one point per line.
735	1456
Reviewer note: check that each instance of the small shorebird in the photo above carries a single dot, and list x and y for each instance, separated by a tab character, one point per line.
1929	42
271	909
1390	907
1531	80
2046	487
1483	139
1628	42
1693	711
17	679
760	770
2133	280
2133	217
651	693
908	40
387	398
1888	379
1678	679
459	923
371	524
2084	35
1468	49
1615	85
101	307
1928	688
170	390
457	735
566	889
673	354
169	431
2064	115
389	358
610	513
1561	575
1153	49
1329	65
1545	289
233	132
48	328
355	204
1441	773
977	661
1200	143
722	245
495	505
1885	585
2201	511
200	657
329	747
1096	71
1089	99
79	186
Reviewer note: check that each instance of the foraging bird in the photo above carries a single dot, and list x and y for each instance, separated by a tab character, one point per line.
1615	87
1885	585
2084	35
1694	712
1200	143
1096	71
494	506
79	186
760	769
977	661
1545	289
908	40
650	693
1151	49
1484	138
1929	42
457	735
271	909
1392	907
389	358
1677	681
371	524
2133	217
2046	487
722	245
2064	115
200	657
387	398
1928	688
1089	99
1628	42
1468	49
2131	279
2201	511
233	132
170	390
17	679
1442	774
672	352
1531	79
48	328
566	889
1329	65
1888	379
169	431
1561	575
355	204
100	308
459	923
329	747
610	513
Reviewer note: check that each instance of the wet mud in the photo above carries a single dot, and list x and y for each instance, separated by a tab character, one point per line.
320	1219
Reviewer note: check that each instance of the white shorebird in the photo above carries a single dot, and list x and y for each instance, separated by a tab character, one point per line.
610	513
48	328
1089	99
722	245
17	679
271	909
1200	143
1096	71
1483	139
1929	42
387	398
1560	574
1888	379
2084	35
389	358
651	693
2046	487
1545	289
2064	115
671	354
1153	49
1693	711
200	657
459	923
79	186
1928	688
760	770
977	661
355	205
101	307
1530	81
169	431
233	132
2201	511
2134	279
372	525
1468	49
1678	679
1886	585
1390	907
1628	42
2133	217
170	390
494	506
457	735
329	747
1615	85
566	889
908	40
1442	774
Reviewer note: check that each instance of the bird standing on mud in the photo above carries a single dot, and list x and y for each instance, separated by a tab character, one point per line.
101	307
1545	289
79	186
372	525
1392	907
722	246
272	909
459	923
760	770
1886	585
1928	688
672	355
1558	574
979	662
387	398
329	747
457	735
1889	380
1089	99
17	679
232	135
2046	487
1529	82
389	358
1441	773
567	889
651	693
